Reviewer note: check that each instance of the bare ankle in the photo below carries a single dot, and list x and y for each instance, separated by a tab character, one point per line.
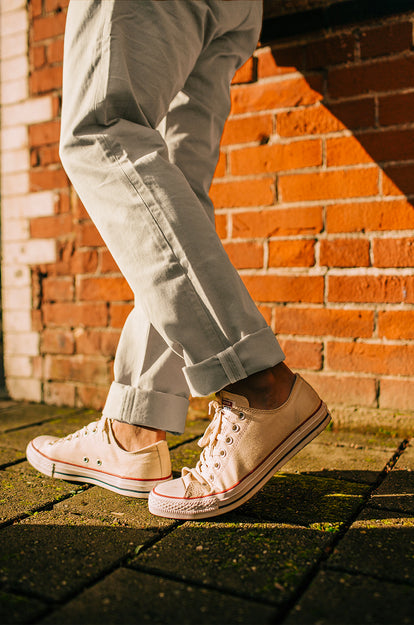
135	437
267	389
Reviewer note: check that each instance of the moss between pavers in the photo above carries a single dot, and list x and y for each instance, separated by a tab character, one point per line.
263	560
8	456
406	460
348	463
23	490
55	554
60	426
129	597
186	455
397	490
23	414
109	507
193	428
304	500
343	599
18	609
379	543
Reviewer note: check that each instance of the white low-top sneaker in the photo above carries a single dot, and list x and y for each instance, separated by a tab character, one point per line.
93	455
243	448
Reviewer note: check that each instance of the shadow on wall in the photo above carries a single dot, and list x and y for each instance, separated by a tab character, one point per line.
364	100
345	138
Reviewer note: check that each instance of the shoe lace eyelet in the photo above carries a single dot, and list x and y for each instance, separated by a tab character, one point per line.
212	478
235	427
222	453
85	433
241	416
86	459
229	440
216	465
99	463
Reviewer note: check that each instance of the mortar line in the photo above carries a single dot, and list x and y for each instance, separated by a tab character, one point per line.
378	578
44	508
159	573
12	463
378	508
189	440
46	420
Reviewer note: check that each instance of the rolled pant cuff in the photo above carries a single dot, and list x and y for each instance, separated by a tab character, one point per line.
254	352
161	411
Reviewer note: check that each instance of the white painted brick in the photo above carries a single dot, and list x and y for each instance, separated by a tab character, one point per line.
40	204
13	45
24	389
14	276
29	112
15	230
17	366
11	5
17	321
14	137
13	91
21	343
19	298
16	67
30	252
14	22
11	207
13	161
31	205
14	184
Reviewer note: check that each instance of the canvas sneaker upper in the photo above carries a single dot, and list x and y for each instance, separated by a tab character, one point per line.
242	448
93	455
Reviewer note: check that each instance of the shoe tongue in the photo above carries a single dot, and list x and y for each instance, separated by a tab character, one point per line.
231	400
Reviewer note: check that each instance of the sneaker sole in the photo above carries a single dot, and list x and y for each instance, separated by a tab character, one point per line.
131	487
206	507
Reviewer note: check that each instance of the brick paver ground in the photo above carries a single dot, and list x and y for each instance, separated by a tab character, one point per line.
327	541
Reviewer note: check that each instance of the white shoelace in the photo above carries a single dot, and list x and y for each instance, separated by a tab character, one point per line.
210	458
95	427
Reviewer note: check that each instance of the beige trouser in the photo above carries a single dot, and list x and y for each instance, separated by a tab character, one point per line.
145	98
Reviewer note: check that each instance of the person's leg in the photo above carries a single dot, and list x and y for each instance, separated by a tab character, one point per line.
148	214
191	131
149	387
145	209
262	419
160	233
144	361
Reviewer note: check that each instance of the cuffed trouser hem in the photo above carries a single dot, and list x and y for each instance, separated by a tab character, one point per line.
161	411
254	352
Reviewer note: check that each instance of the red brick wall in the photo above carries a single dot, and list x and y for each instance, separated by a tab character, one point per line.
313	193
